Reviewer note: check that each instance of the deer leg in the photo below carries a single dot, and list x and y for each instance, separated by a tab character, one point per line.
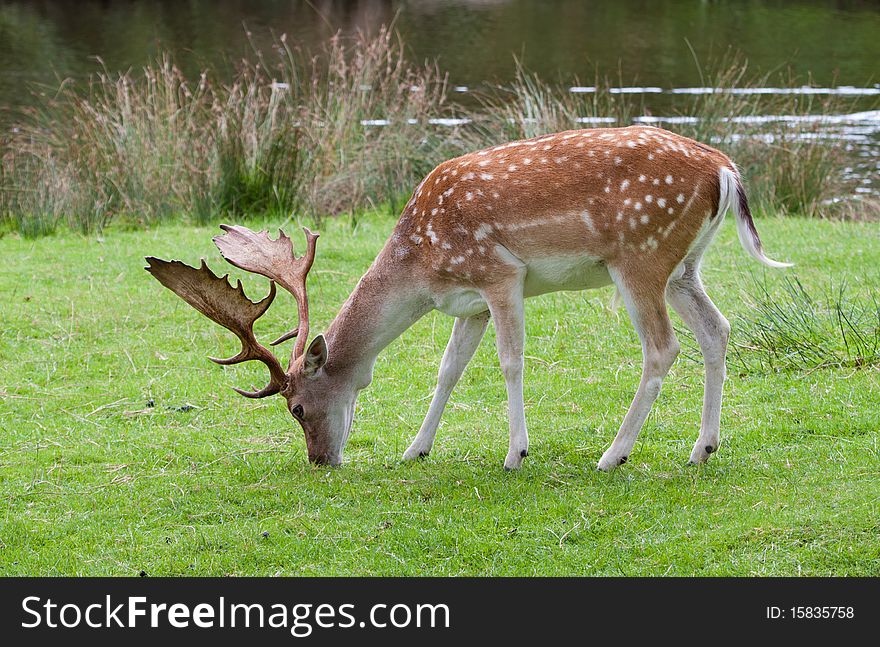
647	310
465	338
712	331
508	314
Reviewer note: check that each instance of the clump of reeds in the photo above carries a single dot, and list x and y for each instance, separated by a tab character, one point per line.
794	330
125	147
349	128
529	106
290	131
777	140
348	161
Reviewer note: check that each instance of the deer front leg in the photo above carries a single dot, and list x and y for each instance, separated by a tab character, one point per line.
647	309
508	314
465	338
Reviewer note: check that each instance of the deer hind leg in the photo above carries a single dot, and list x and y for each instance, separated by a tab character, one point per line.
645	302
465	338
689	299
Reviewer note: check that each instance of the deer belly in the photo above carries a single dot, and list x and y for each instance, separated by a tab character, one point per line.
553	274
461	302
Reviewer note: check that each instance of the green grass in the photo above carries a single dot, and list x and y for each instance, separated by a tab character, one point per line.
95	482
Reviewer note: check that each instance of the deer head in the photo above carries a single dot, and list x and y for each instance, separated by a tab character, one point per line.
228	306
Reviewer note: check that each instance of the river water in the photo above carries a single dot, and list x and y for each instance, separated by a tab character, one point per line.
646	44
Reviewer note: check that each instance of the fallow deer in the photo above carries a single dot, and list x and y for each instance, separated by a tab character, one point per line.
635	206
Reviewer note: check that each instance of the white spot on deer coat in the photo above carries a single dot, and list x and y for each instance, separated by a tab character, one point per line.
585	216
483	231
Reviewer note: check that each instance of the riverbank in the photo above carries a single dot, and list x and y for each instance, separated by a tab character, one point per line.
359	126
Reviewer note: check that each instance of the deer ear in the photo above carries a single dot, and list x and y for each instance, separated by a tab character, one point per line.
316	356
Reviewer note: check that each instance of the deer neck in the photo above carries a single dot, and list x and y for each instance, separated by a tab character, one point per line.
385	303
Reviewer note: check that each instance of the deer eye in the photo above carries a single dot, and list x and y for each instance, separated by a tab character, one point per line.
297	411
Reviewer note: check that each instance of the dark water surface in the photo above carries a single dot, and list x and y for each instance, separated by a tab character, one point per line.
474	40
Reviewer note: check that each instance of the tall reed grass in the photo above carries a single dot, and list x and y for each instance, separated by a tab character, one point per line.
288	133
346	128
529	107
789	167
791	329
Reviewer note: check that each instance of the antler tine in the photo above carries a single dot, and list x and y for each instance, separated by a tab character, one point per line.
262	393
274	259
228	306
302	301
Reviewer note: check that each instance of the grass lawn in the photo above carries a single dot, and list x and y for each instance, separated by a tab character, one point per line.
122	448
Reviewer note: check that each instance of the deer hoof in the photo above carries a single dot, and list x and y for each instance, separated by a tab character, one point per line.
413	454
607	463
513	461
702	452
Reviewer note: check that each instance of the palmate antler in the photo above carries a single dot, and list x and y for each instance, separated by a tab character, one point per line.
228	306
274	259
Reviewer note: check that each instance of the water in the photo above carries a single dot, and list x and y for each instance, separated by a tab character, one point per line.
646	44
